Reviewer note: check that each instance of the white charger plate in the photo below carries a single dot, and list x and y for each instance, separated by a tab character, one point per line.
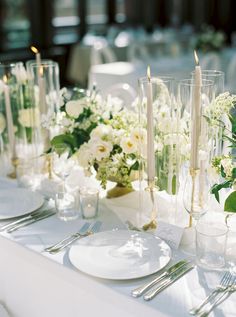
16	202
120	254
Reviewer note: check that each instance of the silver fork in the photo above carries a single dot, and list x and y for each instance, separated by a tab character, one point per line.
81	231
226	291
92	229
225	281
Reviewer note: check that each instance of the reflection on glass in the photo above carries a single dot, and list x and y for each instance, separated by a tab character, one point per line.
96	11
16	24
65	20
120	11
65	13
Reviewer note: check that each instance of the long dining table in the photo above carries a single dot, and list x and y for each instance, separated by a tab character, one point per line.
34	283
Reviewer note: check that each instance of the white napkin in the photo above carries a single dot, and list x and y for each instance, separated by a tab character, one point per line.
136	206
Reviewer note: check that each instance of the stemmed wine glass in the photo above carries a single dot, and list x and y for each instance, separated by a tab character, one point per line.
196	195
62	164
65	200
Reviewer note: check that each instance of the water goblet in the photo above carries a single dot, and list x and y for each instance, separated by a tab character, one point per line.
62	164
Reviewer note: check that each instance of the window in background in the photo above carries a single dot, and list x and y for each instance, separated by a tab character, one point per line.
65	21
120	16
15	24
96	12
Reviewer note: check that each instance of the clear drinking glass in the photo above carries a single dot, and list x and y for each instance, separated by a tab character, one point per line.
67	205
211	239
89	202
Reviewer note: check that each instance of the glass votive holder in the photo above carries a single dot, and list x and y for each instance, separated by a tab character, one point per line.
89	198
66	205
211	239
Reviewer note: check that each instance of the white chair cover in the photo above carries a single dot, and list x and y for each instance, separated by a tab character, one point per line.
102	55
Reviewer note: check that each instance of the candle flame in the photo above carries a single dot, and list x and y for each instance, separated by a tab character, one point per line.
34	49
196	58
149	73
5	79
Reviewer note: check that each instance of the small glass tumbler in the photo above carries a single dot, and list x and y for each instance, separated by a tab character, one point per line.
66	205
211	241
89	198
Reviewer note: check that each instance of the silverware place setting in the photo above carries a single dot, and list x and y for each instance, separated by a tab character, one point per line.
222	291
161	281
86	230
27	220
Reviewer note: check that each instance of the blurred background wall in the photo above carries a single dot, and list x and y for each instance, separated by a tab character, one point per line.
55	26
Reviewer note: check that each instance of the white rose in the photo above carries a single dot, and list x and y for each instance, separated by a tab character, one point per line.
139	136
127	145
75	107
2	123
101	149
29	117
101	132
84	155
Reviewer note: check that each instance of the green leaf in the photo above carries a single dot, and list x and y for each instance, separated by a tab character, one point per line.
63	142
230	202
222	172
135	166
217	187
234	173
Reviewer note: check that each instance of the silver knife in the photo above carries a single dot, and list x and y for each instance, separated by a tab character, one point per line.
92	229
81	231
140	290
172	278
30	221
23	219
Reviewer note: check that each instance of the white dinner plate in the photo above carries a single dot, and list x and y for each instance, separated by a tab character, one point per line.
15	202
120	254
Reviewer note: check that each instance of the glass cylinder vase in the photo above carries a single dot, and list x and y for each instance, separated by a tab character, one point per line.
161	123
194	101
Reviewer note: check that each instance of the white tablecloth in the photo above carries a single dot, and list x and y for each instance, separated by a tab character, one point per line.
35	284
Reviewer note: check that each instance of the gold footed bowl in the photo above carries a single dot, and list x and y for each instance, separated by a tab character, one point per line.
119	190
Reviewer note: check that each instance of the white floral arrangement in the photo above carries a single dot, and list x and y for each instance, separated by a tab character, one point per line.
222	113
102	136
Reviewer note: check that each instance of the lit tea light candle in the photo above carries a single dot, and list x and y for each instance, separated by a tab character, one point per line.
89	202
150	131
196	115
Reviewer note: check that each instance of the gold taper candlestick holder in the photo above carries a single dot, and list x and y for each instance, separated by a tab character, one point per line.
49	165
14	162
152	188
